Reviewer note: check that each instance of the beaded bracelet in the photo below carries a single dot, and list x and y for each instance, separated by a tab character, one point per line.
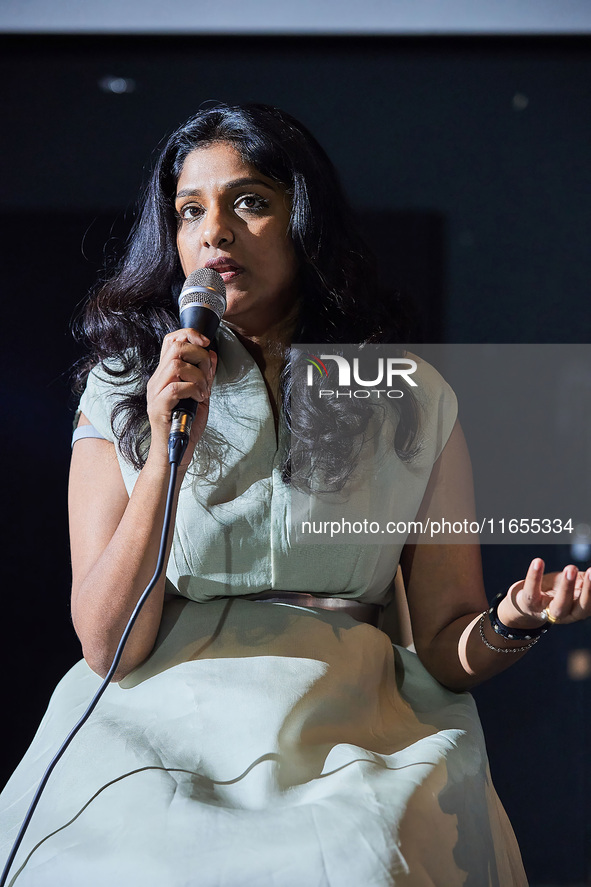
512	634
490	646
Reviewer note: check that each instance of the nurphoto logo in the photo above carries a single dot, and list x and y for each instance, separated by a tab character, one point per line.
387	371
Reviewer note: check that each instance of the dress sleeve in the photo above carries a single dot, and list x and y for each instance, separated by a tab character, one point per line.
82	431
440	409
99	398
97	401
448	414
103	392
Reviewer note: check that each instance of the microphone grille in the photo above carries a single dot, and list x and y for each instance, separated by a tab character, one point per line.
204	287
207	277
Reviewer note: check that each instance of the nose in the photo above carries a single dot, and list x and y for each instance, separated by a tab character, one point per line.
216	228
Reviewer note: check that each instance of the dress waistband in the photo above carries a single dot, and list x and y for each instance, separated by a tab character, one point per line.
359	610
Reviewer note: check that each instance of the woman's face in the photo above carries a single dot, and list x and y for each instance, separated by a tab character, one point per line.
235	220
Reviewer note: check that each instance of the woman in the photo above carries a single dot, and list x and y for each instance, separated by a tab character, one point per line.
252	742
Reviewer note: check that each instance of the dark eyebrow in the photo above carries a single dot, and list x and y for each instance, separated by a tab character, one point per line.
235	183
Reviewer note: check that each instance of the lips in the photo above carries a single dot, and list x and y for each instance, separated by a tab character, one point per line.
227	268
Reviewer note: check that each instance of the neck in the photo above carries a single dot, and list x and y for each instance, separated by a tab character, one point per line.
268	346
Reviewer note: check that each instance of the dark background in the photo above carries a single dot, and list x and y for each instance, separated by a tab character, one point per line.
469	161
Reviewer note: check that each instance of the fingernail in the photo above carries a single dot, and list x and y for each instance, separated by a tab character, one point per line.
571	573
588	574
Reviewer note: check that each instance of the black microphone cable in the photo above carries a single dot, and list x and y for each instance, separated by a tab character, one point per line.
200	287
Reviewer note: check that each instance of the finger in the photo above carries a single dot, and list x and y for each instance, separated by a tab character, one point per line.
579	581
532	586
176	391
213	364
526	594
179	370
188	335
197	374
582	605
185	362
562	602
176	370
190	352
185	336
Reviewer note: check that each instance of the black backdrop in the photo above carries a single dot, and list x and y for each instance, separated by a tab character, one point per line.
469	160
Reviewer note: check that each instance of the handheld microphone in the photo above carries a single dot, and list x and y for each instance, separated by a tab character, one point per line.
202	303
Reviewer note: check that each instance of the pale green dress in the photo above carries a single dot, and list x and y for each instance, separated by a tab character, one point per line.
264	745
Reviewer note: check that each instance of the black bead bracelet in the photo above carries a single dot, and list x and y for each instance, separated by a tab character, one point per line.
512	634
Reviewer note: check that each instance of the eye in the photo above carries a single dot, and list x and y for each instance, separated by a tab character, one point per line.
190	212
252	203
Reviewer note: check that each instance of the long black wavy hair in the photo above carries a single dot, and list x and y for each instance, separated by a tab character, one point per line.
128	315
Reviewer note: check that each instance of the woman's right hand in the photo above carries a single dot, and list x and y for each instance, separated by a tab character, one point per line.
186	369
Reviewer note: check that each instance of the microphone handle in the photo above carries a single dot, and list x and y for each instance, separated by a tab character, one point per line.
205	321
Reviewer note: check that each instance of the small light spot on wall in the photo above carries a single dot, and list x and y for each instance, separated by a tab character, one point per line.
580	549
578	665
519	101
117	85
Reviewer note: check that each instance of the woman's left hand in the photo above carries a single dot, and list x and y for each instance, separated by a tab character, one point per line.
566	597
